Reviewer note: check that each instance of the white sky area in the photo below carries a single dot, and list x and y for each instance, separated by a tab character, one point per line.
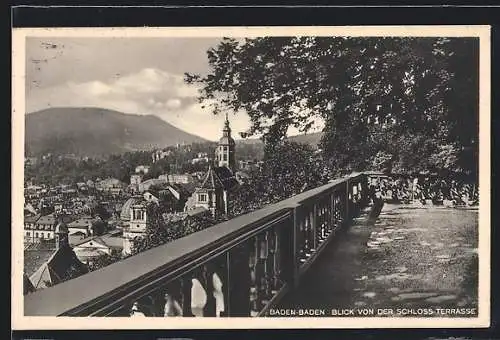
130	75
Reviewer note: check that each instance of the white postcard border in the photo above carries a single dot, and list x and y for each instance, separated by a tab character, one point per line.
21	322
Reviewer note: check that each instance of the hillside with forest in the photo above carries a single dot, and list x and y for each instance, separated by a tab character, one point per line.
98	132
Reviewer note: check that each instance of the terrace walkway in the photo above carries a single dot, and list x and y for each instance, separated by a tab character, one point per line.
411	256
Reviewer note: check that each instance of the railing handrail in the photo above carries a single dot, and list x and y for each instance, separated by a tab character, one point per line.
89	291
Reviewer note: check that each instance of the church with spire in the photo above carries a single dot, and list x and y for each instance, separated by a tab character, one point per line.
225	151
214	193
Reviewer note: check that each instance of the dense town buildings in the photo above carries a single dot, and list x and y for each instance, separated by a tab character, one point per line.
103	216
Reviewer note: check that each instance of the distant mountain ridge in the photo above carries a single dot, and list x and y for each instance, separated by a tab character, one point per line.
98	132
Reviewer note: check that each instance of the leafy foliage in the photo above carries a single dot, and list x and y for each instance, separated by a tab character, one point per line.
378	95
288	169
104	260
161	230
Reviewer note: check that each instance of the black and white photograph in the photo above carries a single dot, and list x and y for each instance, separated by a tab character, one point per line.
289	177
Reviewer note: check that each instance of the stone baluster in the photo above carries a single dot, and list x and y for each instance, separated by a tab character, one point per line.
326	219
239	280
255	277
311	230
313	233
199	294
276	258
208	284
157	303
318	221
300	237
219	295
186	287
172	300
329	215
306	231
288	251
321	222
356	199
267	274
341	208
338	211
332	221
172	307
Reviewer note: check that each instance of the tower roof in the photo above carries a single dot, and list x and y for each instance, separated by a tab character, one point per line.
226	133
212	180
226	140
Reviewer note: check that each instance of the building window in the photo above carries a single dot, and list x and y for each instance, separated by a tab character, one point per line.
225	157
202	197
225	149
36	235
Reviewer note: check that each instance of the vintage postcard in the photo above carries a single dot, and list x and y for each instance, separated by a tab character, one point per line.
251	177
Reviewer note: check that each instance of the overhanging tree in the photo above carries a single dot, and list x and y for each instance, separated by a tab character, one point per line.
376	95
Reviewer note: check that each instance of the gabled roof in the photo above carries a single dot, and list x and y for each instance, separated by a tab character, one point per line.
34	259
223	172
47	219
61	266
212	180
31	218
152	181
112	241
82	222
27	285
185	190
188	188
107	240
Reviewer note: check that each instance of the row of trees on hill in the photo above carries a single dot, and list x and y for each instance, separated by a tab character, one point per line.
393	103
56	170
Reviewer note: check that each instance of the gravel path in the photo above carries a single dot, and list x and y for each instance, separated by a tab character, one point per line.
412	261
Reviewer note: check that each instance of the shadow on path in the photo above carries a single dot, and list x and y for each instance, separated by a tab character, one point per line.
410	256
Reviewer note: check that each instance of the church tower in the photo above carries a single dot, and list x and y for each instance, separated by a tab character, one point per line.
225	152
61	235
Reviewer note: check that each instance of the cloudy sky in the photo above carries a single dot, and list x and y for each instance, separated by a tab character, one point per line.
131	75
